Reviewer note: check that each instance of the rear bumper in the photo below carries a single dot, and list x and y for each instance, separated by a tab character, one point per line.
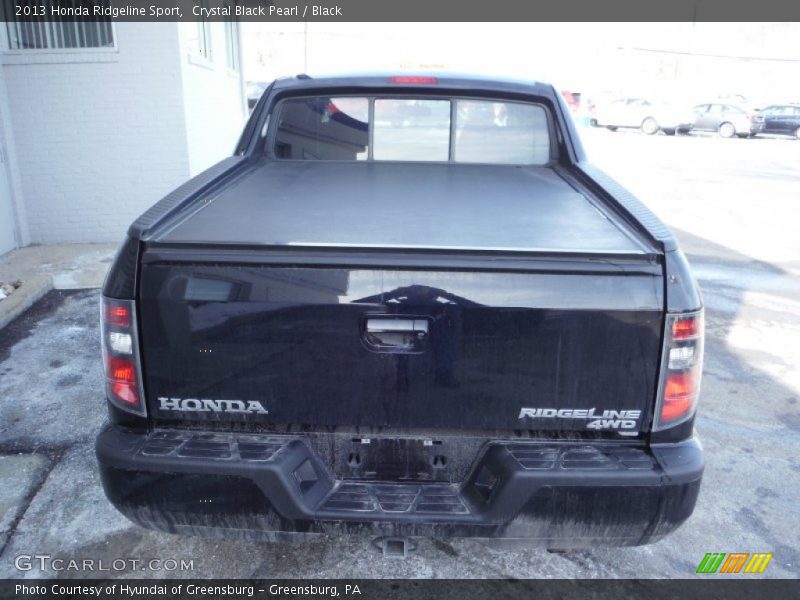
751	127
560	494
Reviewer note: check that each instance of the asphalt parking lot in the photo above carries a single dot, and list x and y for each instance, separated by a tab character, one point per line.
734	204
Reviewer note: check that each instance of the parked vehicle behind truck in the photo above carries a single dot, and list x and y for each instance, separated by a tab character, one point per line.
728	120
406	306
782	119
639	113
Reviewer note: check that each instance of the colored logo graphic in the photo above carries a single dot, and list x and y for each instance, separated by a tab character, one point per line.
735	562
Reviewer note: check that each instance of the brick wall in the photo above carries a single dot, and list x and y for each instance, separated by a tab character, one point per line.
99	136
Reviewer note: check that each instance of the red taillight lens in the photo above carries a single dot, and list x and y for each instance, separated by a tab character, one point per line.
121	375
121	369
117	315
679	392
687	328
121	355
680	370
125	392
418	79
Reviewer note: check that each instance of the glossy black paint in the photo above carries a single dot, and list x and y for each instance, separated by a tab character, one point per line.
293	339
120	282
683	293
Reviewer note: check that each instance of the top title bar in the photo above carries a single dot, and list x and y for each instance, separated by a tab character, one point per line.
401	11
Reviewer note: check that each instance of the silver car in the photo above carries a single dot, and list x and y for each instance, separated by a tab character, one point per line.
650	117
727	119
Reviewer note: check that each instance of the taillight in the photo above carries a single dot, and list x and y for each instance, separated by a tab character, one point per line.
681	370
121	356
116	314
686	327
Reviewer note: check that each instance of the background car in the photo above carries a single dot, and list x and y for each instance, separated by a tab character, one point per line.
782	119
642	114
727	120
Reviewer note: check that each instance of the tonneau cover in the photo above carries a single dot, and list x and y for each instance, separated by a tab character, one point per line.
401	205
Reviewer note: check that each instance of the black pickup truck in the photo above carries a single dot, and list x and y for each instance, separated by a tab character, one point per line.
406	306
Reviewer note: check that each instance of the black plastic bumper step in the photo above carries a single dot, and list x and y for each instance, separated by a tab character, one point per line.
531	457
219	446
527	489
296	482
393	499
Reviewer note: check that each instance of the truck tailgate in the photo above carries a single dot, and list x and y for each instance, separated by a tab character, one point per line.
549	349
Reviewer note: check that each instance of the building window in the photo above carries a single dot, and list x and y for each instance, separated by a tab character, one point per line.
30	33
232	44
202	45
200	37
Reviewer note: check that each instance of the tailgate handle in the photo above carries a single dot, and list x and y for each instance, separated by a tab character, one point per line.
391	334
383	325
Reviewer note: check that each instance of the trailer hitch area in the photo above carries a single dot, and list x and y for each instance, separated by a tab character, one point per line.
394	547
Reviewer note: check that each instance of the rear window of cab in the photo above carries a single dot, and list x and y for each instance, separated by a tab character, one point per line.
425	129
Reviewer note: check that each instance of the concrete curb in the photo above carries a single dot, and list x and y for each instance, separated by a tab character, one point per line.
31	290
